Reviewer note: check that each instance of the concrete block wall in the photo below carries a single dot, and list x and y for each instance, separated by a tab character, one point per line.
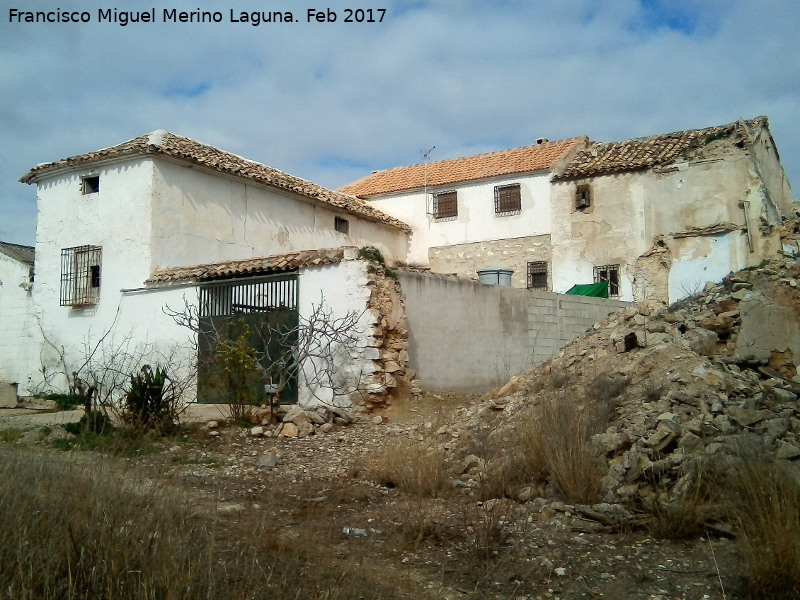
468	336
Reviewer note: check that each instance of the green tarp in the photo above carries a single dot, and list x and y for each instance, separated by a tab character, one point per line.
596	290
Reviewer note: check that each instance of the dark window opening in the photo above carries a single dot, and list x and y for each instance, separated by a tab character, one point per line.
609	273
507	199
537	275
341	225
445	205
90	185
583	196
80	275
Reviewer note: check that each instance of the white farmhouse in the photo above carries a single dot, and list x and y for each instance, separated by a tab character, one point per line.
117	229
656	217
488	211
19	344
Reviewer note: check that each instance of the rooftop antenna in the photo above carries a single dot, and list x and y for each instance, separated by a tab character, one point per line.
426	157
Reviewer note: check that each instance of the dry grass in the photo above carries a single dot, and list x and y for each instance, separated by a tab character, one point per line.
418	469
558	434
764	503
78	529
690	508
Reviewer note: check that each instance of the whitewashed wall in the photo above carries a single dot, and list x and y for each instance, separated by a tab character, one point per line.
200	216
344	288
19	339
477	221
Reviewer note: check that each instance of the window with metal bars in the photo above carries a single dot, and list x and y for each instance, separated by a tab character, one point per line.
609	273
80	275
507	199
537	275
445	205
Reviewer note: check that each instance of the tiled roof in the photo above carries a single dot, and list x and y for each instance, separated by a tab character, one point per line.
165	143
469	168
23	254
248	266
647	152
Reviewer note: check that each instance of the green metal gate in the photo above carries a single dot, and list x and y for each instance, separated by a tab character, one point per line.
250	315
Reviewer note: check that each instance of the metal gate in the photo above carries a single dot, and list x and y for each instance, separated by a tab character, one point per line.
250	315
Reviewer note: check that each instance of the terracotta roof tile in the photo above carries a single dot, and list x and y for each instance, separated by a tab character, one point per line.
165	143
469	168
647	152
248	266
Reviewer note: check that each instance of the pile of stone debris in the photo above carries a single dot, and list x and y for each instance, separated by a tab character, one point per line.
691	381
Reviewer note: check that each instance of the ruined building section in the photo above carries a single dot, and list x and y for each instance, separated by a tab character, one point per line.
670	212
391	377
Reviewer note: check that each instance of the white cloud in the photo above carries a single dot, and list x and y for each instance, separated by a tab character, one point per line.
332	101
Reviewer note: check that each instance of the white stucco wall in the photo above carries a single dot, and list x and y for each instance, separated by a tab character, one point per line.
345	289
476	221
200	216
18	330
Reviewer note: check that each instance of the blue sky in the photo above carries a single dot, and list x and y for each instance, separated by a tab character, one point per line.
331	102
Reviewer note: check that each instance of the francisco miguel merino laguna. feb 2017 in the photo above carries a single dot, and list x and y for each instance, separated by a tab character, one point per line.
172	15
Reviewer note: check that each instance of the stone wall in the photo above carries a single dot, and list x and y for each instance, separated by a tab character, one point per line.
512	253
388	342
468	336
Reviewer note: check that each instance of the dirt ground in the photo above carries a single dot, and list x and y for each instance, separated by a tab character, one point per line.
451	547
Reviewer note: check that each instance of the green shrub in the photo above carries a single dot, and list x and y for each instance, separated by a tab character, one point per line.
66	401
150	404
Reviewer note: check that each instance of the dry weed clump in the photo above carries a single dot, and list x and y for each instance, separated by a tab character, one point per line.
690	508
764	503
557	433
416	468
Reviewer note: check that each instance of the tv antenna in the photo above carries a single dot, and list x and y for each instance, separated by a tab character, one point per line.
426	157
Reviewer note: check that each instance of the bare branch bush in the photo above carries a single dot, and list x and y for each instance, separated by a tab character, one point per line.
102	370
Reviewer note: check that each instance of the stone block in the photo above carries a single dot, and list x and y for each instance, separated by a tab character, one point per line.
8	395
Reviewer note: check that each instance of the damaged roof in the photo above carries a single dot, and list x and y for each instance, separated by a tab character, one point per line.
23	254
653	151
527	159
249	266
164	143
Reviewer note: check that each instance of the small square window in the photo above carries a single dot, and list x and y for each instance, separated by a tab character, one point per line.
507	199
583	196
445	205
537	275
80	275
341	225
90	185
609	273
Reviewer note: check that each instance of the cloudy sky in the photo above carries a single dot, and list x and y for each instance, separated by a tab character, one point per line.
331	102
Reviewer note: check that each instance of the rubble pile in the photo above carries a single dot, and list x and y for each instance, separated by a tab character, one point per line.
687	382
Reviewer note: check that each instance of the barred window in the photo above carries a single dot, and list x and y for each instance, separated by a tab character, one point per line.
507	199
609	273
445	205
537	275
341	225
80	275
